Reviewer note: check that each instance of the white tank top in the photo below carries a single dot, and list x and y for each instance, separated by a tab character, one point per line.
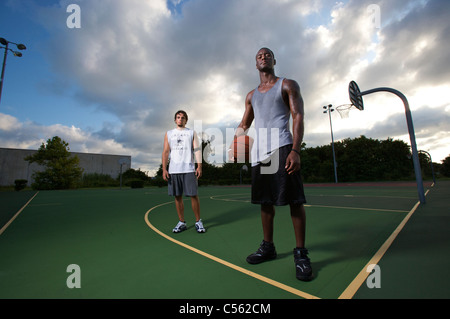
181	151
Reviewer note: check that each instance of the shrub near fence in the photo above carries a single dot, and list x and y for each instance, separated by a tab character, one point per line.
20	184
136	183
98	180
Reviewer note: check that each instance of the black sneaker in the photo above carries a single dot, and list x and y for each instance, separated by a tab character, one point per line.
265	252
302	264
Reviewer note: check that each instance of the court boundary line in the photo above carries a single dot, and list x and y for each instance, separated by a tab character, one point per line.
307	205
17	214
226	263
351	289
321	195
360	208
356	283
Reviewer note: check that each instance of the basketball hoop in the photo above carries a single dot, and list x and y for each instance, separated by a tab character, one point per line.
344	110
355	95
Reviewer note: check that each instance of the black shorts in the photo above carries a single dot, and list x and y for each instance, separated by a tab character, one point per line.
277	188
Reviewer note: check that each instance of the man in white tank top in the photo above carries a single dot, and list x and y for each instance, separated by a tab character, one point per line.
270	105
180	146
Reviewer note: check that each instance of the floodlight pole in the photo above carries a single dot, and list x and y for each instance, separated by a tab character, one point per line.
3	69
329	110
19	46
431	163
120	174
412	137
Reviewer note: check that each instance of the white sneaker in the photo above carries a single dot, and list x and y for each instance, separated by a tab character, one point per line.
199	227
180	227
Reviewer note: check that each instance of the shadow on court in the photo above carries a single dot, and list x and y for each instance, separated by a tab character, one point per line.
121	257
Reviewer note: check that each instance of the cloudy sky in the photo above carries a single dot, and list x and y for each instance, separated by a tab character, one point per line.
113	85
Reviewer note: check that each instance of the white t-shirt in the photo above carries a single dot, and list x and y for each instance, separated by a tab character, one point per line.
181	151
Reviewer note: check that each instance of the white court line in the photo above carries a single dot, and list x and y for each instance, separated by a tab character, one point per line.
17	214
307	205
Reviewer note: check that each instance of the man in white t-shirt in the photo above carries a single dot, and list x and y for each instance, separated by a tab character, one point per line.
180	146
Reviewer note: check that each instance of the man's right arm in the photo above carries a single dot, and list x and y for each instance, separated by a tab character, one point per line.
246	122
165	158
248	117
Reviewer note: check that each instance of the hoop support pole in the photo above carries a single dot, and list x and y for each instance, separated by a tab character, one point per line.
412	137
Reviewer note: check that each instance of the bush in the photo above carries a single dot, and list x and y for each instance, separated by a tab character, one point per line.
137	184
20	184
98	180
158	181
445	167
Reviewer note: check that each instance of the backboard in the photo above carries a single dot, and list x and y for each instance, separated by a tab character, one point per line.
355	95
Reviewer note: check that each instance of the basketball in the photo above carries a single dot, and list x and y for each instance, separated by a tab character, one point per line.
241	148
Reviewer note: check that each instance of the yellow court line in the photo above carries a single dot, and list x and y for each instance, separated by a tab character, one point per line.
350	291
226	263
17	214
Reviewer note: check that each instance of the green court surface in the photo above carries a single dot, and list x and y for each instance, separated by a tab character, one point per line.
123	243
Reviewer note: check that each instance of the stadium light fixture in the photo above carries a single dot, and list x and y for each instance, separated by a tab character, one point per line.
329	109
431	164
6	43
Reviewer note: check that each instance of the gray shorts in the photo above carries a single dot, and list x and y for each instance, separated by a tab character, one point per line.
180	184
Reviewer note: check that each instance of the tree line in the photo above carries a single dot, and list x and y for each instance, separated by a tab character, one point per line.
358	159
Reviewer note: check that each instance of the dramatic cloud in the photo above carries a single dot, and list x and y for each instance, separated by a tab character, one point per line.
140	61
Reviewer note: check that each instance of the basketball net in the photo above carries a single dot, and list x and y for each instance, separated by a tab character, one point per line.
344	110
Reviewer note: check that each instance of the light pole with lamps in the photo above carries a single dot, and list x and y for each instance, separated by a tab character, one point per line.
431	164
16	53
329	109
